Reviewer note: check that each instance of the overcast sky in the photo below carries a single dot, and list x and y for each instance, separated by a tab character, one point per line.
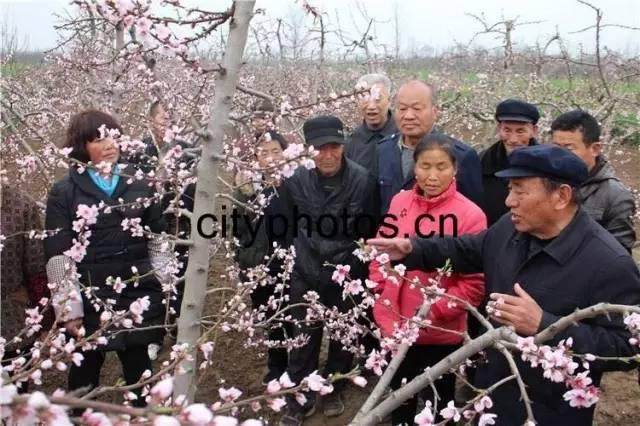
436	23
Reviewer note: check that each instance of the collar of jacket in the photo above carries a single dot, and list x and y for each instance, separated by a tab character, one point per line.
601	171
84	182
396	136
567	242
429	203
345	172
495	158
367	134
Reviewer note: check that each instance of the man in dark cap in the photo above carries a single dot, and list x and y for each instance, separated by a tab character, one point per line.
602	195
327	206
262	117
542	262
516	128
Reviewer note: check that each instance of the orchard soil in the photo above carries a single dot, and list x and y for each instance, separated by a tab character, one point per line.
244	367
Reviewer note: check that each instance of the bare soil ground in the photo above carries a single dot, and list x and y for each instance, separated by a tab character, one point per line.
244	367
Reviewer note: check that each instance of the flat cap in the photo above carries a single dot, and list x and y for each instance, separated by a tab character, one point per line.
263	107
546	161
322	130
517	110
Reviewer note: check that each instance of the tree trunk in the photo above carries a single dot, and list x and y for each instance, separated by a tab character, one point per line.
206	188
116	94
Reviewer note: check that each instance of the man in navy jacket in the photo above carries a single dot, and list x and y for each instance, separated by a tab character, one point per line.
415	114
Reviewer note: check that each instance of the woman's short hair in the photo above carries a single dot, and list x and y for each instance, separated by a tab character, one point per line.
83	128
436	141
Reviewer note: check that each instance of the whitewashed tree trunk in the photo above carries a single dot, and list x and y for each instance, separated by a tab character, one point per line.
206	188
116	94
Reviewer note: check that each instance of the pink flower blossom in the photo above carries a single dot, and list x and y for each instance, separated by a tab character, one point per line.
224	421
251	422
425	417
133	225
162	31
91	418
376	362
340	273
315	381
7	393
382	258
487	419
77	252
359	381
88	213
285	381
161	390
353	287
273	386
143	25
482	404
229	395
400	269
582	398
165	421
119	285
276	404
197	414
301	398
450	412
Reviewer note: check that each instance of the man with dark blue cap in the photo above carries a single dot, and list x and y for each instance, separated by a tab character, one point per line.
517	127
328	207
541	263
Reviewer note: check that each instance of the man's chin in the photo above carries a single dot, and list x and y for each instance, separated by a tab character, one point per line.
520	227
373	124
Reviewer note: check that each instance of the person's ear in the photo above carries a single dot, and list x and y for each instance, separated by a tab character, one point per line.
564	196
535	130
596	148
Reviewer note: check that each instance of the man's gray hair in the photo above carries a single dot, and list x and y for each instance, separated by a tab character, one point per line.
372	79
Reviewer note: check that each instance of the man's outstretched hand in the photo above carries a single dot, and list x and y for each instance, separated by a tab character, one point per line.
396	248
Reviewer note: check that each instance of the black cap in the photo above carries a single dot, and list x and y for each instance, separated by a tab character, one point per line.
322	130
263	107
546	161
517	110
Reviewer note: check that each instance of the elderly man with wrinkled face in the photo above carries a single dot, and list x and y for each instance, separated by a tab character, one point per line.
517	127
377	121
326	205
416	112
541	262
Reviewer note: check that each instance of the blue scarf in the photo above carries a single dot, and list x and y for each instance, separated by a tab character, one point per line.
106	186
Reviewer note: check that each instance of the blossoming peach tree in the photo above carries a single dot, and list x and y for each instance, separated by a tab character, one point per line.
119	55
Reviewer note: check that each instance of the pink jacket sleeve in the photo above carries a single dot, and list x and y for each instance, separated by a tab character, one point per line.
468	287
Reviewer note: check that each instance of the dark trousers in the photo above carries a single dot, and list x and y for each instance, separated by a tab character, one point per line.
135	360
418	358
277	358
304	360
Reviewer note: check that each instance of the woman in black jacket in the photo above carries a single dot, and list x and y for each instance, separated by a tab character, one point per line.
112	252
257	242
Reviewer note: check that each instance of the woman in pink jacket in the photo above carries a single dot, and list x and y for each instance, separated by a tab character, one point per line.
433	208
